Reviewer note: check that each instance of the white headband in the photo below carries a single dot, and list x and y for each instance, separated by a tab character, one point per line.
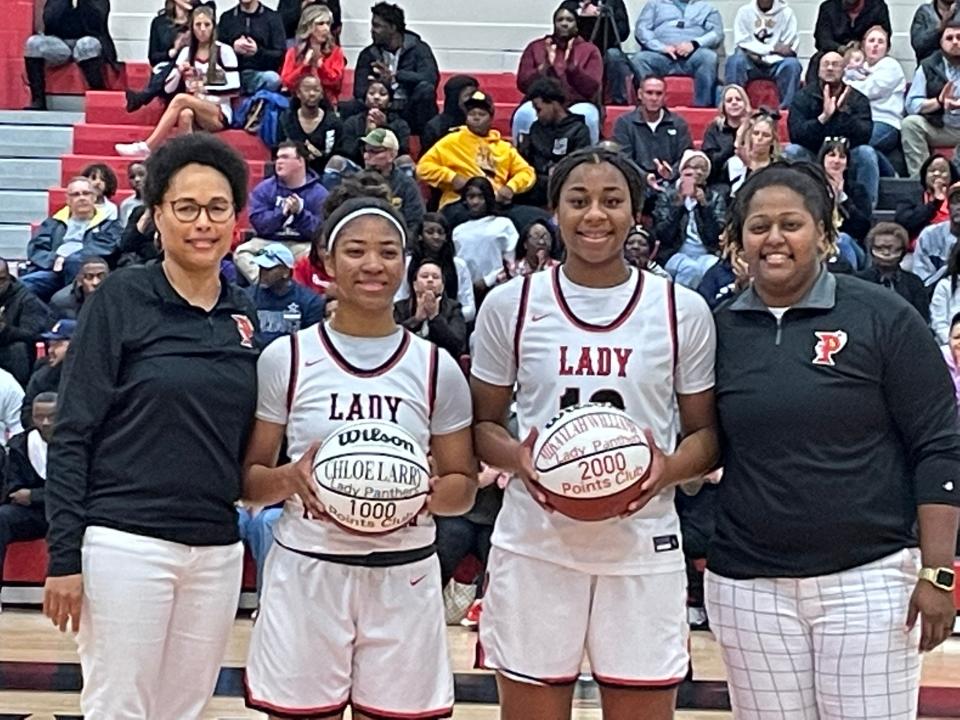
361	212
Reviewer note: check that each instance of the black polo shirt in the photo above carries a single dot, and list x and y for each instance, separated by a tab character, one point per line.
835	423
156	404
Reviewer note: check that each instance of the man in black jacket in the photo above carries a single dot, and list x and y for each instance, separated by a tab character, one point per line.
404	61
22	318
829	109
255	32
72	30
554	134
22	514
46	374
843	21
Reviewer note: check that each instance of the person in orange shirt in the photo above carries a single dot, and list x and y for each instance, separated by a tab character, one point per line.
316	53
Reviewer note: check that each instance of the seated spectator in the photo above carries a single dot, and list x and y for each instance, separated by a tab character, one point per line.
283	306
935	242
291	11
432	242
380	149
104	181
169	34
830	108
11	400
640	251
431	314
286	209
475	151
886	245
720	137
255	32
843	21
882	82
66	302
313	122
927	24
315	54
456	90
136	174
378	115
680	39
725	279
652	136
758	145
951	355
208	70
22	318
852	204
945	301
556	133
22	512
46	373
487	242
933	101
936	175
567	58
72	30
766	40
536	248
688	218
63	240
138	241
605	24
403	62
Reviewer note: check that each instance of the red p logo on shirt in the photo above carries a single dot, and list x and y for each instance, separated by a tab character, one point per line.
829	343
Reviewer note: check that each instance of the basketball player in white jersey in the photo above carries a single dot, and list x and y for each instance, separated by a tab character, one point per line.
593	329
345	618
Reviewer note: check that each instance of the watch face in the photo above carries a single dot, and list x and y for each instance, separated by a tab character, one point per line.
944	577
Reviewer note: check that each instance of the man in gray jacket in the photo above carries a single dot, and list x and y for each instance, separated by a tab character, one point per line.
928	22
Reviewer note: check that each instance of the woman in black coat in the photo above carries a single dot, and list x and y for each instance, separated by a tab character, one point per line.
431	314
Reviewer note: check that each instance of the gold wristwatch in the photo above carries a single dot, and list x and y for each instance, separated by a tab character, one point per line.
942	578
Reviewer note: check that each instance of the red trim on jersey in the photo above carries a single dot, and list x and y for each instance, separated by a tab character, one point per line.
638	684
294	370
521	316
390	715
672	322
292	713
345	364
583	325
432	379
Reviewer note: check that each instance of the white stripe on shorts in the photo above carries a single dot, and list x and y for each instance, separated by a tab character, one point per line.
831	647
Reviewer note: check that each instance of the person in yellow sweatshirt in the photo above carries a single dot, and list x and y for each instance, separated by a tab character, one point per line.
475	150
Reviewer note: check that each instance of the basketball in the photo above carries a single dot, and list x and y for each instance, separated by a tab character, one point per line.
592	460
373	477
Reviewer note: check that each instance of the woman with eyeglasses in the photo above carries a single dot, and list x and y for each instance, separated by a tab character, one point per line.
159	392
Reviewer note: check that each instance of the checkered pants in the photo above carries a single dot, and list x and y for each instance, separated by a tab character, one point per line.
831	647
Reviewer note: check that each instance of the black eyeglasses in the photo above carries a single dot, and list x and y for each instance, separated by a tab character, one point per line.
189	210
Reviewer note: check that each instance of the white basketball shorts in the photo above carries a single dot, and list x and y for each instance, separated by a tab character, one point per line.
540	618
329	635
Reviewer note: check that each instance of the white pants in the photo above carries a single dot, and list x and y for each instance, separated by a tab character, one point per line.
831	647
154	625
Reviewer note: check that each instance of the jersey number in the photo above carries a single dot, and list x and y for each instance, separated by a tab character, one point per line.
611	397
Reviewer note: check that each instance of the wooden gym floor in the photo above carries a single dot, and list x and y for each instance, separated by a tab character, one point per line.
40	677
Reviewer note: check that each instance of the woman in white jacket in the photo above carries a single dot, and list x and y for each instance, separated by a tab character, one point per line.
884	86
208	71
945	302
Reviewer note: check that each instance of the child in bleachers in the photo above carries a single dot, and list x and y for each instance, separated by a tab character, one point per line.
316	53
136	174
104	181
209	73
854	60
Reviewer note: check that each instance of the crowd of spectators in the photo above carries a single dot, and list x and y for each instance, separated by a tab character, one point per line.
473	200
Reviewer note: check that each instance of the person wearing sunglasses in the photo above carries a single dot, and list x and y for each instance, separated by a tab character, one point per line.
159	392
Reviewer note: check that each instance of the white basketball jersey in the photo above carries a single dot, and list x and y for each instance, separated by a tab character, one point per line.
327	391
627	358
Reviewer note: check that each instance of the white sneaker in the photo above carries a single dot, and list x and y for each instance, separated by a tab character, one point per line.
134	149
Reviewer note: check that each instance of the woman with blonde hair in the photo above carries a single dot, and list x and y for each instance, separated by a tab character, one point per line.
207	71
757	145
719	140
315	53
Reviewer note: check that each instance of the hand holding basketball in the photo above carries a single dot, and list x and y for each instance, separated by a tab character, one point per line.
301	482
657	478
526	470
62	600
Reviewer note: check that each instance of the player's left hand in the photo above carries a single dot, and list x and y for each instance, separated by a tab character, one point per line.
657	478
936	612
